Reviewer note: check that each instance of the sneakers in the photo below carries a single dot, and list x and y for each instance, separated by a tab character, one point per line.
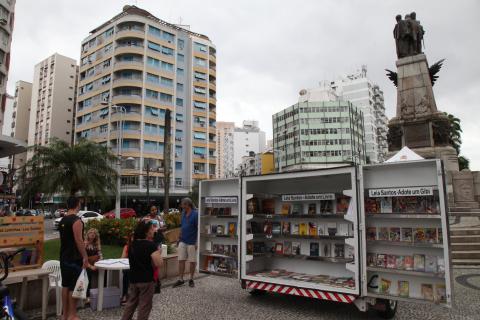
178	283
191	284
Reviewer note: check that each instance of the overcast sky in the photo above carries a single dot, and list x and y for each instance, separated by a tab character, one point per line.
268	50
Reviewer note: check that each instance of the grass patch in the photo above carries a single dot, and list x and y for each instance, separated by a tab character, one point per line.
52	250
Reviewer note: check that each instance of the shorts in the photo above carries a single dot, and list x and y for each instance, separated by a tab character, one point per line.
187	252
70	272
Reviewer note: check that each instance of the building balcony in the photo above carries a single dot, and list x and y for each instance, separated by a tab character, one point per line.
120	99
133	32
125	48
213	72
127	82
130	65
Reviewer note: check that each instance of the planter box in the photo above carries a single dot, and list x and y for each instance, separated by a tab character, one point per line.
172	235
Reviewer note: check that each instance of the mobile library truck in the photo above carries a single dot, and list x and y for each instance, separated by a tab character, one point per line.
370	235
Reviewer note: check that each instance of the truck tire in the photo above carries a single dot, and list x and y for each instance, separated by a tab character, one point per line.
256	292
389	306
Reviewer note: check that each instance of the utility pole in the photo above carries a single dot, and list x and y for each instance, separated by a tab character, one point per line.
166	159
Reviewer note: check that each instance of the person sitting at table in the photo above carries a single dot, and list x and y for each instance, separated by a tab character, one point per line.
143	257
94	253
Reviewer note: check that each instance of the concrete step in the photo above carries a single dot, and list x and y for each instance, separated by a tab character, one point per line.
464	231
471	238
459	209
466	262
458	247
472	254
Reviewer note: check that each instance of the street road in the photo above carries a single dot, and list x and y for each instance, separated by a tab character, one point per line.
50	232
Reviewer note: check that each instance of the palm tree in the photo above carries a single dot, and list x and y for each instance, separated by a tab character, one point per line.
455	132
85	168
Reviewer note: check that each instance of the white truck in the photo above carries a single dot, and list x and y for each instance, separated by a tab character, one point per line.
370	235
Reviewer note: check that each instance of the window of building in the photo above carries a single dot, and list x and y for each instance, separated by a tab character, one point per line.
180	72
179	102
200	76
180	57
167	66
154	31
178	151
178	165
199	47
180	87
108	33
154	46
179	117
167	36
200	90
200	105
153	62
199	135
165	97
153	78
151	94
167	51
178	182
166	82
199	150
180	44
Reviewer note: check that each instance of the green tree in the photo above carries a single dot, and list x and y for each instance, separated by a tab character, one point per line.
455	132
60	168
463	163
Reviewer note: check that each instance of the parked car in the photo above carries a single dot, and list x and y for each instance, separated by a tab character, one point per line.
48	214
84	215
125	213
26	212
59	213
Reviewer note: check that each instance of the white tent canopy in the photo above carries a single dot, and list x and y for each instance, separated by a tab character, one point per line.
406	154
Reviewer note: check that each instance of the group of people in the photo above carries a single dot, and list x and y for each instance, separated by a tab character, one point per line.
79	250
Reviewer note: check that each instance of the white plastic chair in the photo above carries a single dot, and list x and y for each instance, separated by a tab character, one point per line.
55	282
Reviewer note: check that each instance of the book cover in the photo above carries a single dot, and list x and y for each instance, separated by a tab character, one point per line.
371	233
385	286
326	207
394	234
215	248
391	261
232	228
267	228
372	205
383	233
419	235
427	291
342	229
400	263
342	204
296	248
228	211
221	211
268	206
234	249
286	209
332	228
430	263
312	208
326	250
407	235
371	259
439	235
440	293
381	260
431	235
279	248
220	229
441	265
421	205
399	205
322	230
312	229
386	205
252	206
419	262
303	229
403	289
408	262
285	228
339	250
215	212
295	229
214	229
221	249
208	245
259	247
412	203
226	249
314	249
276	228
249	247
257	227
297	208
208	211
208	229
287	248
431	205
349	252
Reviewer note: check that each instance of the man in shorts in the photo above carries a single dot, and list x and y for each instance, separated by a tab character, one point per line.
73	256
187	246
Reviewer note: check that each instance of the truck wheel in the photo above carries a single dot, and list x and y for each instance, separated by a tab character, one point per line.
256	292
389	308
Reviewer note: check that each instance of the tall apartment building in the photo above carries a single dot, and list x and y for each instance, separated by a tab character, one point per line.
133	68
312	135
7	129
52	106
225	150
21	119
7	18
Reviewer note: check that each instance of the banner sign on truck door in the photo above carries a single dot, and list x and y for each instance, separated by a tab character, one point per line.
401	192
220	200
308	197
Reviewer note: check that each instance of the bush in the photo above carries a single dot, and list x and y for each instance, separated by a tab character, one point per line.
113	231
173	220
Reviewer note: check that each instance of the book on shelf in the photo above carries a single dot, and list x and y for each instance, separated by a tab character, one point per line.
314	249
232	228
339	250
270	247
259	247
427	291
295	229
419	235
332	228
441	265
257	227
431	205
407	234
326	250
312	208
208	229
430	263
276	228
287	248
399	205
342	229
440	292
221	211
285	227
381	260
394	234
349	252
412	204
371	259
386	205
297	208
400	263
279	248
286	208
296	248
208	211
439	235
303	229
371	233
221	249
267	228
312	229
385	286
342	204
214	229
215	212
220	229
268	206
227	249
419	262
208	245
403	289
228	211
431	235
408	262
372	205
249	247
234	249
391	261
327	207
383	234
322	231
252	206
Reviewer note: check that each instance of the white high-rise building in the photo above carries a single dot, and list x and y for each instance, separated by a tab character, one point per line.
225	150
